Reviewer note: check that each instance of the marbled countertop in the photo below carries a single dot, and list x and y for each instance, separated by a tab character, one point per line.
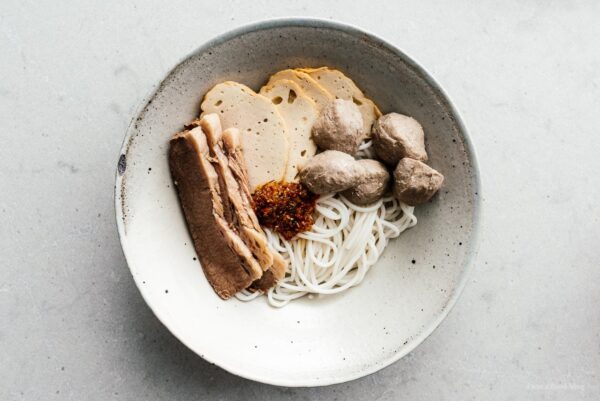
526	77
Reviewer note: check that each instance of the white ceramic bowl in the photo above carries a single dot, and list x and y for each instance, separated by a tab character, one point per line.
310	342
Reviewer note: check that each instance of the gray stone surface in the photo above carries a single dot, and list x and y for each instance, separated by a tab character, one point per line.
526	76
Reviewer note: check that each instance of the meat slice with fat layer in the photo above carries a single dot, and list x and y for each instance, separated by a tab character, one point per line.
243	217
236	162
226	260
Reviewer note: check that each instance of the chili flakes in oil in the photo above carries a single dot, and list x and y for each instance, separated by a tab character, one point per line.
285	207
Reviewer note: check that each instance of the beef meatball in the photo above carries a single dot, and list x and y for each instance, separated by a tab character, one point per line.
331	171
339	127
396	136
415	182
374	183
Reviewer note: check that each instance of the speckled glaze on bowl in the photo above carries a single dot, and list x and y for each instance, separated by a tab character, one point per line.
310	342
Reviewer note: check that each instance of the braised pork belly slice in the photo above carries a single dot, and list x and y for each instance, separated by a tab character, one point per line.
271	276
227	262
242	217
235	157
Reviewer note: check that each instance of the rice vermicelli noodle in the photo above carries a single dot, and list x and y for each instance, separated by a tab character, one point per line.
345	241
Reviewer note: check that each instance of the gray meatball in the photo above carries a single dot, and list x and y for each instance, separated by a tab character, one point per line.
396	136
339	127
331	171
374	183
415	182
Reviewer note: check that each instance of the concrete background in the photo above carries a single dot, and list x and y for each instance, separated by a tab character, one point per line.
525	75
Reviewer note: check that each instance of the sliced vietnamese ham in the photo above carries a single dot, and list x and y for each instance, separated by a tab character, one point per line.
309	86
299	113
263	132
227	262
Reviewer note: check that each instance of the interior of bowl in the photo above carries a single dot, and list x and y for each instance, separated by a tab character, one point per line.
311	341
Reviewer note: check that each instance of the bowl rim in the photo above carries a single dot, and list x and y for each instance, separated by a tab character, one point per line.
469	148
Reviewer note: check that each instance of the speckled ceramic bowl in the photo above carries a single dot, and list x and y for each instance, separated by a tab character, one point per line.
309	342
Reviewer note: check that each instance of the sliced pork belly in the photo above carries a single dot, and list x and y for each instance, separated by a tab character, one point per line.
271	276
226	260
243	218
236	162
